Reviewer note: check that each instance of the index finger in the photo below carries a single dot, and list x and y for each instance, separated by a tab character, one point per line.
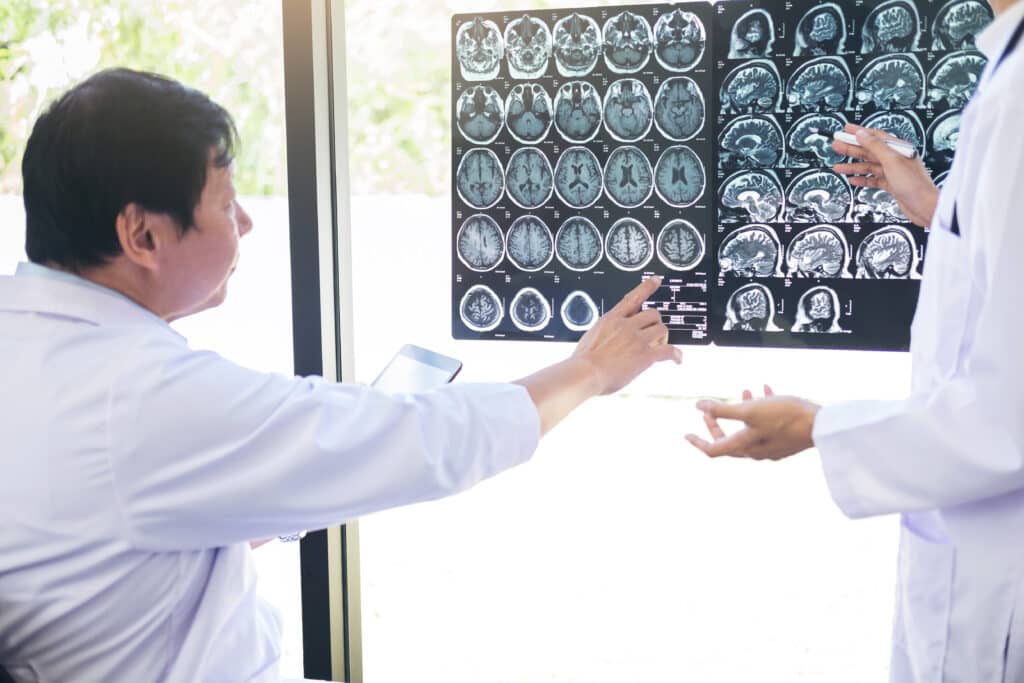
631	303
730	445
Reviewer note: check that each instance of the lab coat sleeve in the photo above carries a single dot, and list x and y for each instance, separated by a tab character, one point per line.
207	453
962	442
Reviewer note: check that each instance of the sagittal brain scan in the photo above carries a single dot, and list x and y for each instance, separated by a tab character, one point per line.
679	108
528	113
809	141
752	88
529	243
578	244
887	254
893	26
751	251
955	78
680	245
480	179
628	178
891	82
818	311
527	47
903	125
479	49
753	35
679	177
579	312
530	311
751	308
481	246
819	196
818	252
578	111
628	43
628	110
958	23
629	245
943	136
481	309
875	205
528	178
750	142
821	84
751	197
681	39
480	114
821	31
577	45
578	177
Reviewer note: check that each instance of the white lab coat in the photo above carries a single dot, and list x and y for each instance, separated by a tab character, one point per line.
951	456
134	470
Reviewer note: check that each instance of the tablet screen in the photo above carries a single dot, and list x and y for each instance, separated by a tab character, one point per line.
414	369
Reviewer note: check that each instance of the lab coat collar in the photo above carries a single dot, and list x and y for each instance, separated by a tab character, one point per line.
992	41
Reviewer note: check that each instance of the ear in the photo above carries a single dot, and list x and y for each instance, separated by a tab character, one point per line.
142	233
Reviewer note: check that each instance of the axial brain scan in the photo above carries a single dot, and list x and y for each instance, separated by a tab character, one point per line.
480	114
528	178
529	244
750	142
752	88
528	113
891	82
628	178
893	26
480	243
903	125
679	108
751	308
629	245
887	254
679	176
578	244
680	245
875	205
818	311
530	311
821	31
579	312
955	78
958	23
821	84
751	251
578	111
628	110
578	177
818	252
481	309
479	49
527	47
750	197
810	140
680	40
819	196
479	178
628	43
753	35
577	45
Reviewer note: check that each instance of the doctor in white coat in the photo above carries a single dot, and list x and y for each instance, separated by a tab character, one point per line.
950	457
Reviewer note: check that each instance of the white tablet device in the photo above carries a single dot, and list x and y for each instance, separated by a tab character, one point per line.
416	369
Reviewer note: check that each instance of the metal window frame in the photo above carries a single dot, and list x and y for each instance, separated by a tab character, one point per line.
316	111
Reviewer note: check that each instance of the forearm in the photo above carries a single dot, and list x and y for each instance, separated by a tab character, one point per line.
559	389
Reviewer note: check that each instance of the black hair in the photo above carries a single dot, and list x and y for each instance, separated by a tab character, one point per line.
119	137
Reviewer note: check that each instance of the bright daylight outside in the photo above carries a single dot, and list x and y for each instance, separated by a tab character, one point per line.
619	553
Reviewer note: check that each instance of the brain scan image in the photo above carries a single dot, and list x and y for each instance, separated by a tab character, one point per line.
680	40
480	114
752	88
891	82
629	245
751	308
480	244
893	26
810	140
943	135
822	84
818	311
954	79
529	244
578	177
579	312
479	49
481	309
750	197
577	45
528	178
530	311
628	43
680	245
578	244
679	176
751	251
818	252
901	124
875	205
750	142
528	113
821	31
578	111
958	23
527	47
628	178
887	254
479	179
628	110
753	35
819	196
679	108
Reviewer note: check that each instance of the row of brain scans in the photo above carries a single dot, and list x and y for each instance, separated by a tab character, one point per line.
482	310
751	308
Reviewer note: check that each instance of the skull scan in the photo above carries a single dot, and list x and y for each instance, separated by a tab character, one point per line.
528	178
819	196
480	309
875	205
578	177
751	308
752	88
530	311
751	251
943	136
578	244
891	82
479	179
579	312
629	245
821	31
680	245
628	43
901	124
810	140
628	178
958	23
753	35
529	244
818	311
887	254
750	197
578	111
750	142
528	113
680	40
679	177
479	49
822	84
818	252
527	47
893	26
955	78
480	244
577	45
480	114
628	110
679	110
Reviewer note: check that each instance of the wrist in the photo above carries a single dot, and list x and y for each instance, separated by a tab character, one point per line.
585	375
810	415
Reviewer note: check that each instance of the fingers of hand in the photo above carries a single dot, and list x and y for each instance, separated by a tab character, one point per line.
768	391
714	428
663	352
873	141
728	411
645	319
736	445
860	168
852	151
747	394
655	335
867	181
632	301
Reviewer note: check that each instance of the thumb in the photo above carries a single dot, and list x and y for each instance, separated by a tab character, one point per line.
726	411
874	144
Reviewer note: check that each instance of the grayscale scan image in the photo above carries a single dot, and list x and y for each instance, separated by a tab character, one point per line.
628	43
875	205
750	142
887	254
679	177
809	141
528	113
481	246
901	124
893	26
752	88
818	311
577	45
628	178
527	47
819	196
681	40
578	177
751	308
954	79
528	178
628	110
578	111
891	82
578	244
679	109
529	244
629	245
680	245
480	114
480	179
753	35
481	309
821	31
819	252
822	84
530	311
479	49
579	312
751	251
958	23
751	197
943	136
